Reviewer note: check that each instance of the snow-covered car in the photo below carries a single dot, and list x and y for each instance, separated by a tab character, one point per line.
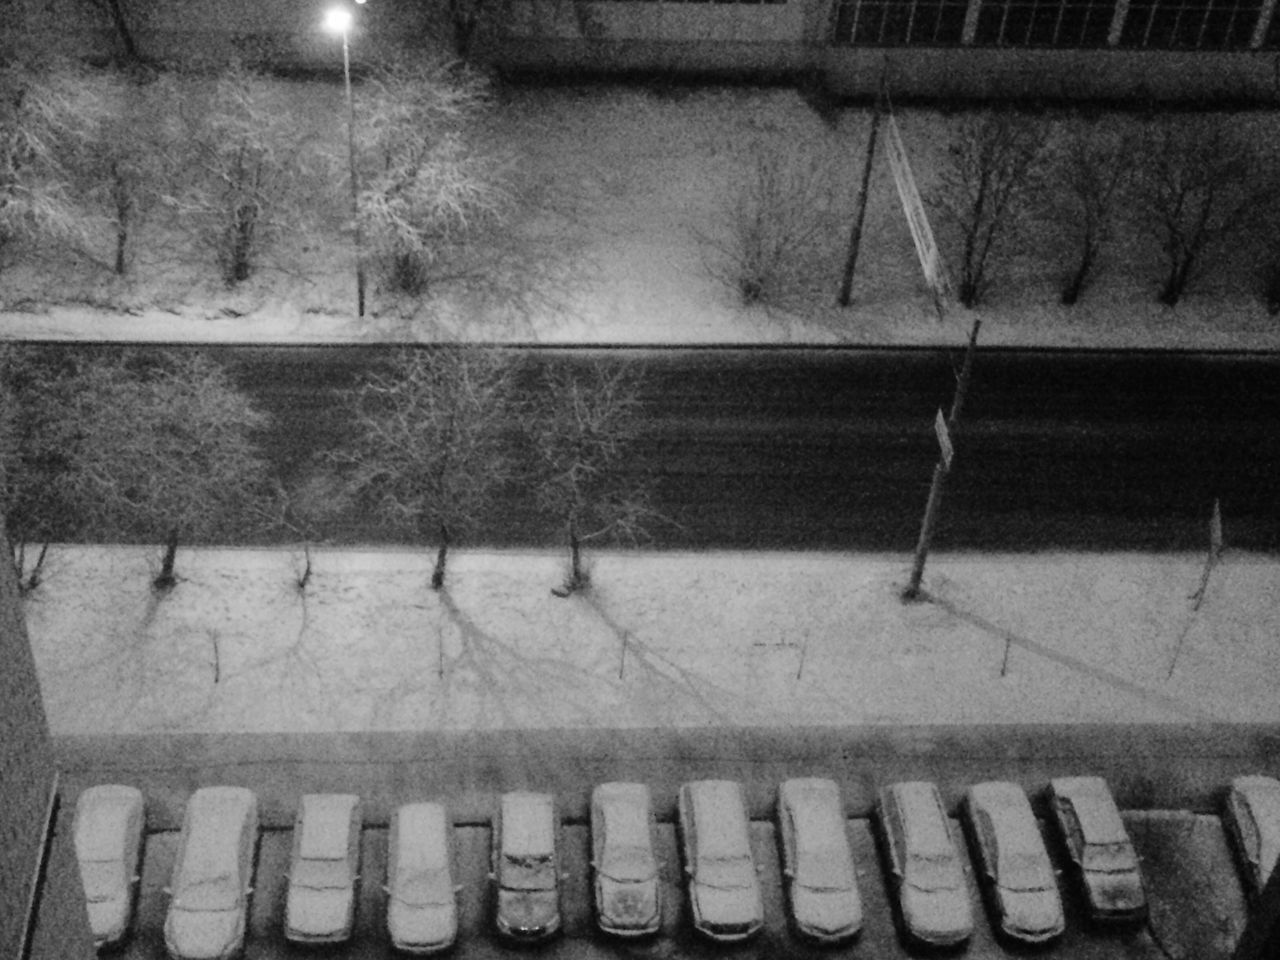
1098	844
1252	821
212	875
925	866
817	865
324	864
109	821
724	890
1013	865
526	866
422	904
626	870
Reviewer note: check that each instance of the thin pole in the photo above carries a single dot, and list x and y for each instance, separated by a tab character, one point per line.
934	505
355	183
855	235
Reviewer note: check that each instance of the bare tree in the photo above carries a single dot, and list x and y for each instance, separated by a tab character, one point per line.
430	443
776	236
429	186
987	182
246	166
160	447
1091	171
1201	187
49	116
584	427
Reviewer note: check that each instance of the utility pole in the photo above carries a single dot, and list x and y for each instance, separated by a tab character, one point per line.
942	468
855	236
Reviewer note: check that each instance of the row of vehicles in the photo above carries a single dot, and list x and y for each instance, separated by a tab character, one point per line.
214	863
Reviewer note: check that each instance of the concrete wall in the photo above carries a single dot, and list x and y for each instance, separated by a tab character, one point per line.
31	890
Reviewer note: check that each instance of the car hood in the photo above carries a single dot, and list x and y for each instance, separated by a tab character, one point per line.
1116	892
826	913
203	934
422	926
728	907
107	918
1032	914
528	909
628	904
318	912
937	916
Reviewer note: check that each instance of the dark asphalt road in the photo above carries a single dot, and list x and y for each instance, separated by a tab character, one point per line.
833	449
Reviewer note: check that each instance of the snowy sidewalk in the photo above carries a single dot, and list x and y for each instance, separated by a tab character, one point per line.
661	639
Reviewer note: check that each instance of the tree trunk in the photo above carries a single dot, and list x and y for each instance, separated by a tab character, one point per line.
576	577
437	575
166	579
1075	286
123	31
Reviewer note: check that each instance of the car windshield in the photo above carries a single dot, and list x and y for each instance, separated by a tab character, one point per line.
425	888
102	879
823	870
1024	871
732	873
933	872
1109	858
210	894
628	864
528	872
321	874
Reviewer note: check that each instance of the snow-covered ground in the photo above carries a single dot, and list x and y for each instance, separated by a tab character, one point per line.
681	639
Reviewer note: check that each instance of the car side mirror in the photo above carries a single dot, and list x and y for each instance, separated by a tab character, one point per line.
386	889
492	875
789	873
688	870
458	887
168	891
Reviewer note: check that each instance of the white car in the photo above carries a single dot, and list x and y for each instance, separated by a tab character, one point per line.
724	889
324	864
925	865
1253	822
1013	864
1099	846
526	866
422	908
817	863
109	820
212	875
626	870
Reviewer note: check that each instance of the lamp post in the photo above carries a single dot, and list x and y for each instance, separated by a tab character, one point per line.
338	20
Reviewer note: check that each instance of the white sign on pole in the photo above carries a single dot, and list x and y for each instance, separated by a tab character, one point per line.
935	273
944	439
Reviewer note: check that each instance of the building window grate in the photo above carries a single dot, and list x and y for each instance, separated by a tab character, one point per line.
896	23
1044	23
1190	24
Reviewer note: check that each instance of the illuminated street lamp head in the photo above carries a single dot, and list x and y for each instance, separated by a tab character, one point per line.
338	20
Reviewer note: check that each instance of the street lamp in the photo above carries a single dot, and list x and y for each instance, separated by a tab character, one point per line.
338	20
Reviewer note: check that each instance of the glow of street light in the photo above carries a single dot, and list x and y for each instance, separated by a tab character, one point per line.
338	20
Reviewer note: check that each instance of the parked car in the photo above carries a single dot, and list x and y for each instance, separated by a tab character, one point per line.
626	870
1099	847
817	865
724	890
324	864
925	866
526	866
1013	864
1252	821
212	875
108	839
422	907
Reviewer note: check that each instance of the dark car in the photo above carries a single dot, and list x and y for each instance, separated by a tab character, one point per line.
1253	822
1013	864
1098	844
526	870
626	870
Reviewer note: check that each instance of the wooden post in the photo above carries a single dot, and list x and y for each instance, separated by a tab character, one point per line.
855	235
934	504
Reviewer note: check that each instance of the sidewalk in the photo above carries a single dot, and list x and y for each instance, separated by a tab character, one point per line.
660	640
